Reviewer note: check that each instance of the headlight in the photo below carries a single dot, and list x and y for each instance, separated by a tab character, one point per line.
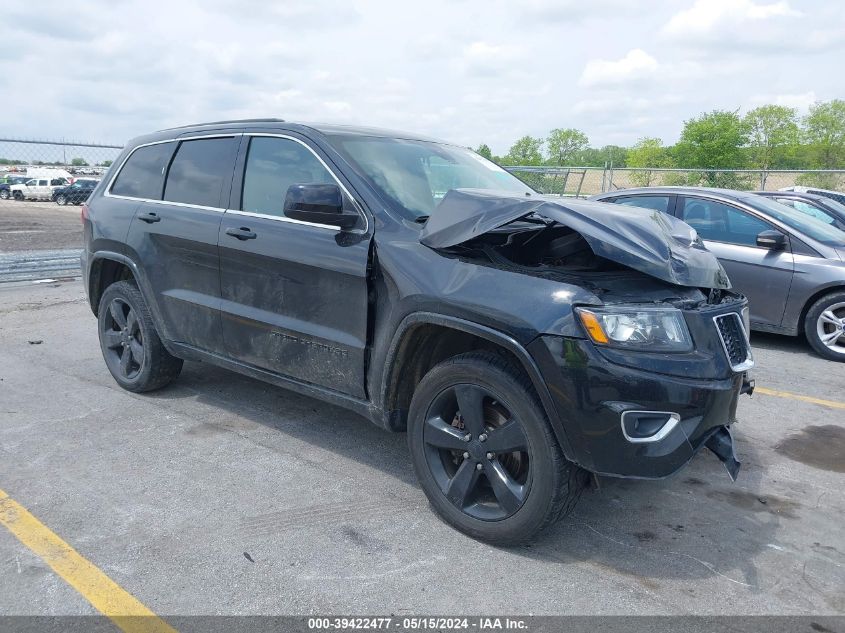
641	328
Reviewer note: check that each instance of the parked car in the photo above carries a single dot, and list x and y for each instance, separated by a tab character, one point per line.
523	342
839	196
37	188
77	193
6	185
827	210
791	266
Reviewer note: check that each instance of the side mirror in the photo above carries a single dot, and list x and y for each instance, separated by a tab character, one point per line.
773	240
320	204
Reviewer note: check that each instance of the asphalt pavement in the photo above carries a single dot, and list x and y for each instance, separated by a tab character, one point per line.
224	495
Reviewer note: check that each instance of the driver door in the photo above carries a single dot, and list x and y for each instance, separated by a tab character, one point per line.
294	293
763	275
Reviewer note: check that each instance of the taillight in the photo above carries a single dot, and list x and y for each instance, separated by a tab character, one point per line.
83	212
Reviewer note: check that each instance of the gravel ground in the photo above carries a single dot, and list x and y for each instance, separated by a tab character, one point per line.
29	225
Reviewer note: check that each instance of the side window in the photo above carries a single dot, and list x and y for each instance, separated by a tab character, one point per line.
807	208
273	165
42	183
199	170
143	174
658	203
721	222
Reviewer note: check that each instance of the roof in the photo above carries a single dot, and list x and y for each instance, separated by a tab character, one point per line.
328	129
806	195
725	193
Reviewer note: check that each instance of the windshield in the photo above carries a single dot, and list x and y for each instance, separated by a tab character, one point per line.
801	222
415	175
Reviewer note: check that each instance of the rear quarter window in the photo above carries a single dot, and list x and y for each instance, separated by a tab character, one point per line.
658	203
143	174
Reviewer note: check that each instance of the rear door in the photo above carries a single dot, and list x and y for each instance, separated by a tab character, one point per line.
174	233
42	188
761	274
294	294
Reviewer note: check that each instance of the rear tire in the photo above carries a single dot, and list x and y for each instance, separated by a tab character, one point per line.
4	194
131	347
825	319
505	483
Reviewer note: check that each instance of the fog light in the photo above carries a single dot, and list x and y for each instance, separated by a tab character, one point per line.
648	426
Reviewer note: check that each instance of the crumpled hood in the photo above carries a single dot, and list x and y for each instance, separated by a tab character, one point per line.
648	241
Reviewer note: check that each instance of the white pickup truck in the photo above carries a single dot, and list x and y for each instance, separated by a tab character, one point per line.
37	188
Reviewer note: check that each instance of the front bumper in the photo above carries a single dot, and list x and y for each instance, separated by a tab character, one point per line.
590	394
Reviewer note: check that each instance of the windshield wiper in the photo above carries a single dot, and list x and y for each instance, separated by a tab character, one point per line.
421	219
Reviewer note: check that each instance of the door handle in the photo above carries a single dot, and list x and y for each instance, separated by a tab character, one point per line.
242	233
149	218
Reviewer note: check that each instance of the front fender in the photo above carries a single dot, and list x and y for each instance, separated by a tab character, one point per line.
416	319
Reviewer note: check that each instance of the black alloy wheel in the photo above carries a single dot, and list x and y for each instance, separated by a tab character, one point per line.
477	452
132	349
123	340
484	451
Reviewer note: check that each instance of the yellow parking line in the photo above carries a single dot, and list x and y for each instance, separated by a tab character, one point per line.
102	592
796	396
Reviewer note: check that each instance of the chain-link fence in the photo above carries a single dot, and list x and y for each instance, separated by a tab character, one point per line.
41	184
586	181
25	165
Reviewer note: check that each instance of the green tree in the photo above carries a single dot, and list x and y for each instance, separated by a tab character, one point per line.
772	130
647	152
79	162
614	154
563	144
484	150
106	163
713	141
525	151
824	129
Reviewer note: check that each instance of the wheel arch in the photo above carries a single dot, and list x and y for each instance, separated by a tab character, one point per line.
424	339
830	289
107	267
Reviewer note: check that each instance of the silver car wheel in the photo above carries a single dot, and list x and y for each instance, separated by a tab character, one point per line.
830	327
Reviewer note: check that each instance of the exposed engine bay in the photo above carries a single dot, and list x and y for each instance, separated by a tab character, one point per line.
538	235
546	249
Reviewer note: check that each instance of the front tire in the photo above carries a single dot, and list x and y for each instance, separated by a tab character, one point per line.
131	347
18	196
4	194
824	326
484	453
61	200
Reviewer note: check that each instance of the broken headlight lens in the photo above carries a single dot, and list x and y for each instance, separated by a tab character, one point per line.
642	328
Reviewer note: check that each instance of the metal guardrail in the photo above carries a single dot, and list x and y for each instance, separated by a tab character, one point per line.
31	265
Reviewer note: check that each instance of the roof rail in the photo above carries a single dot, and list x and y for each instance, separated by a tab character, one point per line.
181	127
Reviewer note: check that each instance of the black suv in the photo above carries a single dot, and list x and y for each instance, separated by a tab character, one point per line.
77	193
523	342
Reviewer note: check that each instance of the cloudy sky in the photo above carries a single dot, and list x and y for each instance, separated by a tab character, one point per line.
467	71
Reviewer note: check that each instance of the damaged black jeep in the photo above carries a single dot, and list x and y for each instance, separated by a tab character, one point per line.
522	341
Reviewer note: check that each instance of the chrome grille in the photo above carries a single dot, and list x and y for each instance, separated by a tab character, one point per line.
734	341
